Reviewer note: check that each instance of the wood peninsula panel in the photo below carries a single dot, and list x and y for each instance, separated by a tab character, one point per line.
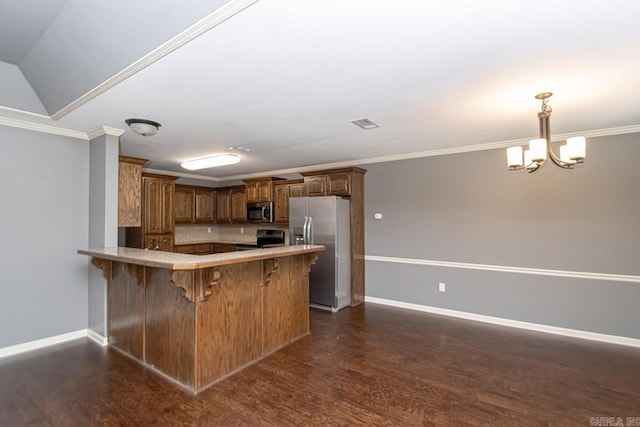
169	329
130	191
285	303
125	300
228	333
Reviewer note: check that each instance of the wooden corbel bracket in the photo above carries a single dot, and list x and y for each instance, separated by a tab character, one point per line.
197	284
137	272
310	259
104	265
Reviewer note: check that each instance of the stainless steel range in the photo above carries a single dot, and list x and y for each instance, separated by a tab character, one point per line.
266	238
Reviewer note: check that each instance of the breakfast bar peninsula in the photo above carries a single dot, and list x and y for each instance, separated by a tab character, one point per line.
199	318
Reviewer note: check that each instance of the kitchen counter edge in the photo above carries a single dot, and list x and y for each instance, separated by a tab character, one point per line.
175	261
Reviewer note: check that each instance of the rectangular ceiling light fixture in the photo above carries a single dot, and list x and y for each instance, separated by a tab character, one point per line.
365	123
211	162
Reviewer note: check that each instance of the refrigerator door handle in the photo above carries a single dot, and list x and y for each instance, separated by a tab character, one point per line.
310	231
304	231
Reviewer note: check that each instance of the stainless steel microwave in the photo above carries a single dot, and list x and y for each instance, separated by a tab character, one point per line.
260	212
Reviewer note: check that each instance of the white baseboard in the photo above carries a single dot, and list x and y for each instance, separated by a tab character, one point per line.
57	339
593	336
96	337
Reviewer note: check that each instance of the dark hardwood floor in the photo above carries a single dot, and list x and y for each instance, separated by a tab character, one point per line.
369	365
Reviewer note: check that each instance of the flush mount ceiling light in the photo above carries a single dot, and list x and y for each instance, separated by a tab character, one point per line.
571	154
143	127
210	162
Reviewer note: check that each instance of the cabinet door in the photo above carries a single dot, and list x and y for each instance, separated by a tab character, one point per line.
205	205
168	189
130	192
158	205
252	192
218	248
223	206
184	205
315	185
159	242
152	206
339	184
282	203
238	206
296	190
264	191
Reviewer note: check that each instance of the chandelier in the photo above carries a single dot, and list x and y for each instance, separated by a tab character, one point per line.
571	154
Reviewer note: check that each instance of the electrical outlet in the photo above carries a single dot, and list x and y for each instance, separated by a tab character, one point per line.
208	229
441	287
241	230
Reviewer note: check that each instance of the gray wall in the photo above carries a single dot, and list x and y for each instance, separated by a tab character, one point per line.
103	221
44	183
468	208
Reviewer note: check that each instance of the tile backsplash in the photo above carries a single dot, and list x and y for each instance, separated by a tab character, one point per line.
196	233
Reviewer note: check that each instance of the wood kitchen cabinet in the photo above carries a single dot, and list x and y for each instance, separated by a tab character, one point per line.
231	205
261	189
159	242
223	206
238	205
195	205
315	185
205	206
283	191
184	205
158	211
130	191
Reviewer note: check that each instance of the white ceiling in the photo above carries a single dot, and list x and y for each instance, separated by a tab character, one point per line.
285	77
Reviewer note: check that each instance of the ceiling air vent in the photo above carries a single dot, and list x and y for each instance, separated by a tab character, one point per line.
365	123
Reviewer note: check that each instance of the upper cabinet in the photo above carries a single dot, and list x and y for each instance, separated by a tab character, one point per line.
205	206
223	206
130	191
335	182
195	205
238	205
184	201
283	191
158	210
261	189
231	205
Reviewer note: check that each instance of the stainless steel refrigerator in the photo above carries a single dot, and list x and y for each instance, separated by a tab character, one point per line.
324	221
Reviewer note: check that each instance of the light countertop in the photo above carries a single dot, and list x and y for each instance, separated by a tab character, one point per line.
175	261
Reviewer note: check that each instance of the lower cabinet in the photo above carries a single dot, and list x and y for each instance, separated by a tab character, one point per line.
158	242
204	248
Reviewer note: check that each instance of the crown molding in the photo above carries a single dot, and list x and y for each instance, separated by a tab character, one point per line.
25	112
622	130
215	18
181	175
104	130
38	127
